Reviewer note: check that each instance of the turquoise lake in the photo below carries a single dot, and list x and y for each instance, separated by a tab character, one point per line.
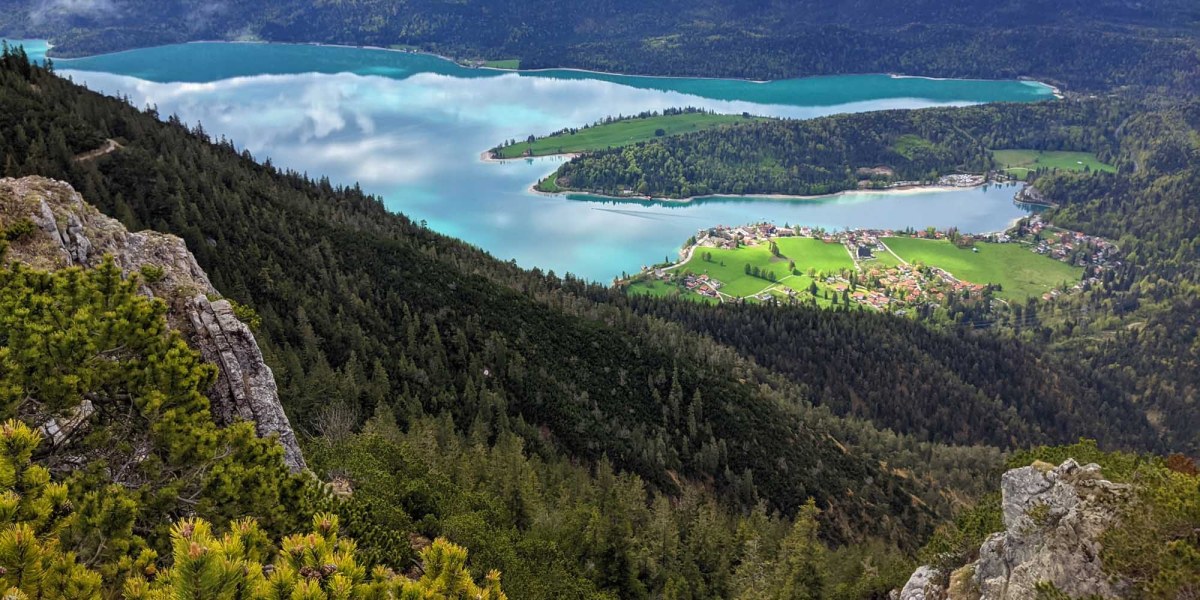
411	128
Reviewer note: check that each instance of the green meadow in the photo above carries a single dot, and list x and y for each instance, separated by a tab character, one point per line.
1020	273
653	287
549	184
1019	163
618	133
883	260
729	266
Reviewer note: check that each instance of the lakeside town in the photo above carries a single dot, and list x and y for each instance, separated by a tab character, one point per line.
871	273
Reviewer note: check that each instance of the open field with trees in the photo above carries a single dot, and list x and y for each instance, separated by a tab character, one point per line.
736	268
1020	272
1020	163
618	133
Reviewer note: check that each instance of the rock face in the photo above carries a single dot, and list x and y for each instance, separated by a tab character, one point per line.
922	585
1053	520
71	232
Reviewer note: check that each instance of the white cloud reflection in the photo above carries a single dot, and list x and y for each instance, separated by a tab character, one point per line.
417	142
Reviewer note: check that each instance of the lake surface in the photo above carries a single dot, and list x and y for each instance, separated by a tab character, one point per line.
411	128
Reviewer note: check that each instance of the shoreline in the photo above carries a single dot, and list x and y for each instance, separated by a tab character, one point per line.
486	157
903	190
1055	92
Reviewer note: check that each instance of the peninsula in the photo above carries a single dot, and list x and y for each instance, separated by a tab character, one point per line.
618	132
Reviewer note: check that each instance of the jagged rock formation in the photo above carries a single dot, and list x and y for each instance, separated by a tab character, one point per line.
71	232
1053	520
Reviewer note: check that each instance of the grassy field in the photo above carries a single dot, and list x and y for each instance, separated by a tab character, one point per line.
1019	163
814	253
806	252
620	133
908	145
883	260
662	289
1019	272
652	287
511	63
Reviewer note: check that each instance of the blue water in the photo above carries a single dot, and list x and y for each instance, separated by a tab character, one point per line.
411	128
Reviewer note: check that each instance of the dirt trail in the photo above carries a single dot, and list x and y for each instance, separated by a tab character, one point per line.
109	147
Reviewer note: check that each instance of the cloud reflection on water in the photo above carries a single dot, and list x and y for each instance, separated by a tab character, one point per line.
417	141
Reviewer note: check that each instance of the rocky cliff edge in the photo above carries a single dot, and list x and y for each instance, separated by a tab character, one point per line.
70	232
1054	518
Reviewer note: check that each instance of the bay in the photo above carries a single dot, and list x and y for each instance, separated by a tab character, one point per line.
411	128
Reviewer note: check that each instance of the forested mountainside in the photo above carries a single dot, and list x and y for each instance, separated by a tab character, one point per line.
1133	331
831	154
1084	45
1140	327
359	307
451	354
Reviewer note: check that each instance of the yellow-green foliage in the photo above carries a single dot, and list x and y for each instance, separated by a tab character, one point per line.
148	453
34	513
32	563
316	566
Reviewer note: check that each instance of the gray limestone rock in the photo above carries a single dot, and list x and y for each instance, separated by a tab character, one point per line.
76	233
922	585
1054	518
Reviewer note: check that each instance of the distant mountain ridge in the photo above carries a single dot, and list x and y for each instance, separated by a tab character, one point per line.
1082	45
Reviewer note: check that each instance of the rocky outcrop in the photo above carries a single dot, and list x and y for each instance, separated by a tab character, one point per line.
922	585
68	232
1054	518
245	385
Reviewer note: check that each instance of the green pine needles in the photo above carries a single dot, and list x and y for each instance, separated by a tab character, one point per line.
114	479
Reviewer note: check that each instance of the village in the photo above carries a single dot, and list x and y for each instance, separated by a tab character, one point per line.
881	285
864	270
1096	254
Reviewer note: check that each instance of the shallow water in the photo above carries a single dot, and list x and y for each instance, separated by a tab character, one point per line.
411	127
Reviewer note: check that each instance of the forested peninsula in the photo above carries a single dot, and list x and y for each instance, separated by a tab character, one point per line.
874	150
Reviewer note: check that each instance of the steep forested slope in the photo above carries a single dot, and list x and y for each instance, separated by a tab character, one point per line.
361	308
1133	329
365	308
489	369
1140	326
1081	44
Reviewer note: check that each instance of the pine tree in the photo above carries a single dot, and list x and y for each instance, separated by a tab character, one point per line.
32	512
800	572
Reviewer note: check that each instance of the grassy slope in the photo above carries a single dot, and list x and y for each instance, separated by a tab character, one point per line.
1020	162
1020	272
549	184
882	260
620	133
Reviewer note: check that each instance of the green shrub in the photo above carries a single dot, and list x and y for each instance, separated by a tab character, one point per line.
152	273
